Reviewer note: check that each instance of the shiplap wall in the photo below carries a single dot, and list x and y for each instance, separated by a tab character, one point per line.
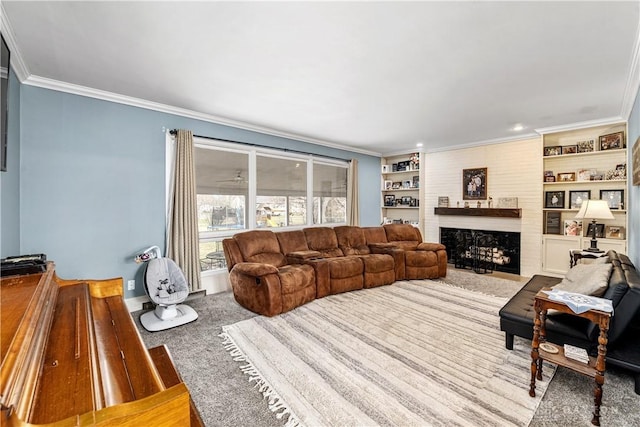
514	170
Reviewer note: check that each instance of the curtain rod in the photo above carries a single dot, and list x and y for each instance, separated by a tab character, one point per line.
175	131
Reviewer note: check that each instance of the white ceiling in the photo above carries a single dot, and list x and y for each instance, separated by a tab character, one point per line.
374	76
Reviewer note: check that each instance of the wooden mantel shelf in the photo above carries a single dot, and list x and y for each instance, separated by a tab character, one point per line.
497	212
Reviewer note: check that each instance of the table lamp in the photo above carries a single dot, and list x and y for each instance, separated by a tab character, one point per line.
594	209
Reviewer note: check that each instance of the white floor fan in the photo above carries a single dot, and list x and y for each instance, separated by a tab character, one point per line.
167	287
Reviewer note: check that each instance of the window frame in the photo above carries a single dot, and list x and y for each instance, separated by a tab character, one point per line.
253	152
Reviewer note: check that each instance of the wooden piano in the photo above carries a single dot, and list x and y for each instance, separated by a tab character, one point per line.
72	356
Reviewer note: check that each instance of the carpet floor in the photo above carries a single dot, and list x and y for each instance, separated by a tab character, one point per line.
225	397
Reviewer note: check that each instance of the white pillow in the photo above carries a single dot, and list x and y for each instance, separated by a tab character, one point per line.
586	279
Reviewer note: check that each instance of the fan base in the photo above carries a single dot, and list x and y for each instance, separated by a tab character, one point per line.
158	320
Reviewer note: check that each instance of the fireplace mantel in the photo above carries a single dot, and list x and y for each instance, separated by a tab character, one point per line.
495	212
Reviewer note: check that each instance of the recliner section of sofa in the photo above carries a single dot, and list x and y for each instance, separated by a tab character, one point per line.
274	272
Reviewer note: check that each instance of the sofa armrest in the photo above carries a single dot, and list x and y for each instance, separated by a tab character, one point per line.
303	255
255	269
396	253
426	246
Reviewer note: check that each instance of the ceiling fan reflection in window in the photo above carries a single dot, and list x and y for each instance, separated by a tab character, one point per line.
237	179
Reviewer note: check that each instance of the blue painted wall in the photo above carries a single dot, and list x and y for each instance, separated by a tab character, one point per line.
633	213
10	180
92	180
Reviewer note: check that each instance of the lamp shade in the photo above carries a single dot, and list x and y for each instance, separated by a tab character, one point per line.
594	209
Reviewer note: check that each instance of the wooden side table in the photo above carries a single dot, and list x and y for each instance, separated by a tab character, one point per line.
596	366
576	254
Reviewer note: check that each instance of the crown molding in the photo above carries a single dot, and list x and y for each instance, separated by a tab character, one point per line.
581	125
17	63
632	89
57	85
474	144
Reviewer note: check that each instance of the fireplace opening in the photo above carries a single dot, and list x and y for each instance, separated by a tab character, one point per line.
482	250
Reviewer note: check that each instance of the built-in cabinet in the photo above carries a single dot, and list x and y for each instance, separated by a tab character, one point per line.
582	164
402	179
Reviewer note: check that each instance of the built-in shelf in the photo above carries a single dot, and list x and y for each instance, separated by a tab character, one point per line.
496	212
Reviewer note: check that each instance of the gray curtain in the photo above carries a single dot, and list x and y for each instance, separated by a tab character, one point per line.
353	208
183	222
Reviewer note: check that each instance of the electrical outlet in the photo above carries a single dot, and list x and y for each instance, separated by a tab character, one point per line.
131	285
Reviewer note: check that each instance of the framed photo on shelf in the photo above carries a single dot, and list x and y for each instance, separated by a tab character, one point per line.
416	181
385	169
396	185
443	201
566	176
554	199
584	175
614	198
569	149
406	200
552	223
406	184
599	230
586	146
549	176
572	227
388	185
474	184
389	200
553	151
577	197
612	141
614	232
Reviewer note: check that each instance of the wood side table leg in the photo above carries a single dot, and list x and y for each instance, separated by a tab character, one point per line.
600	368
534	350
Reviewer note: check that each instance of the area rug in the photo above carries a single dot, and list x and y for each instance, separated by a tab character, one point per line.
415	353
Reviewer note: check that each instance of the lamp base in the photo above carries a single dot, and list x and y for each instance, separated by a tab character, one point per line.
594	250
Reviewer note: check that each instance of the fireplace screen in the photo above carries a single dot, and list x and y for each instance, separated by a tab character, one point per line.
482	250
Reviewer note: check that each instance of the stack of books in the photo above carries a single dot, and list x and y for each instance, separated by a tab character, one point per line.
576	353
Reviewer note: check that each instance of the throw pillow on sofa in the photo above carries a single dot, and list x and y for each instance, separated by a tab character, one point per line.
586	279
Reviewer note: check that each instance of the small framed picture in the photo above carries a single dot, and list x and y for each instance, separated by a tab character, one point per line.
584	175
553	151
572	227
406	200
614	198
569	149
566	176
612	141
406	184
389	200
414	202
396	185
554	199
508	202
443	201
577	197
385	169
388	185
586	146
599	230
415	181
614	232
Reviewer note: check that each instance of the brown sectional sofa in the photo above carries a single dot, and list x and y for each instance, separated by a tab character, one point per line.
274	272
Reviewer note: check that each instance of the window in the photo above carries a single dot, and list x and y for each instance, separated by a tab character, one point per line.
277	186
329	194
281	190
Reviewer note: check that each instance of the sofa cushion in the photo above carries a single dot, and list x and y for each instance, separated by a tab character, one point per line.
586	279
402	232
375	235
323	240
260	246
292	241
351	240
